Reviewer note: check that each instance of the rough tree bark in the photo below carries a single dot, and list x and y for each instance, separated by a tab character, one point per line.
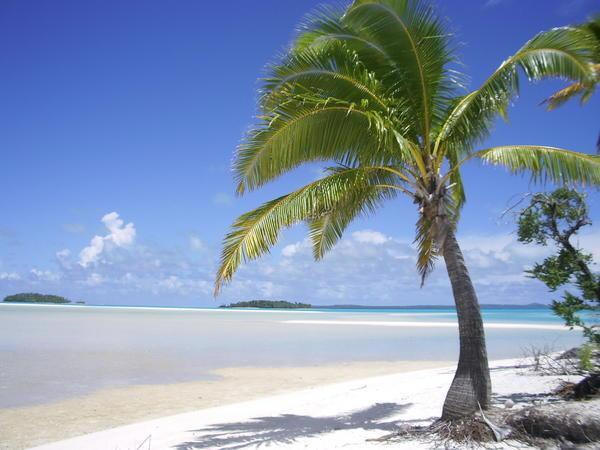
471	385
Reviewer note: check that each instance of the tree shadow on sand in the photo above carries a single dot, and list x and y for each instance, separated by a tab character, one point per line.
286	428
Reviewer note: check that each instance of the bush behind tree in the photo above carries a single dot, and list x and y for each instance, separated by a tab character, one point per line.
557	217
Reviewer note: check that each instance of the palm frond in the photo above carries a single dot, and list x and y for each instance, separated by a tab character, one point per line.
327	229
457	190
561	52
545	163
427	252
336	73
416	41
583	90
560	97
255	232
298	133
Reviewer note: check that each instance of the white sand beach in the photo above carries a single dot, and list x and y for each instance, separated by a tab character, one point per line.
341	415
26	426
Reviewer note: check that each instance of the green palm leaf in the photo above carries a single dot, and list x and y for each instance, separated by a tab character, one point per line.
328	228
585	90
560	52
336	73
545	163
298	133
256	231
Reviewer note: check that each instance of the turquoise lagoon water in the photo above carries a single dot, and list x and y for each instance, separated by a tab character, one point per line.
51	352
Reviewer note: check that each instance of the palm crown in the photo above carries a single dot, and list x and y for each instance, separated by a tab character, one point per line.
371	89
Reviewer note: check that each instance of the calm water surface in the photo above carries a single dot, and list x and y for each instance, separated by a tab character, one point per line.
52	352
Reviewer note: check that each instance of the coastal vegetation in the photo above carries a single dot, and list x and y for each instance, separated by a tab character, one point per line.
30	297
557	217
373	90
281	304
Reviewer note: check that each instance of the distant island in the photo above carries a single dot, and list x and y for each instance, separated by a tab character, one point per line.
30	297
267	304
483	306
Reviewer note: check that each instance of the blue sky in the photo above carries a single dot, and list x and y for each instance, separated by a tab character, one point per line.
119	120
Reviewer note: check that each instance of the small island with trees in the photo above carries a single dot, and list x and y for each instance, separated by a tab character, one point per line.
279	304
30	297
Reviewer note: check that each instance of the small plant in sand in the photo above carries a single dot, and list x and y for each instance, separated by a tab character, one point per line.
588	357
545	360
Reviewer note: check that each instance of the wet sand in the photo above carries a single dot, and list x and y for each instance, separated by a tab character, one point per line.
27	426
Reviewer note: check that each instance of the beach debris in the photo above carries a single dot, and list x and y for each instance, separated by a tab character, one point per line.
569	354
577	422
588	387
148	440
509	404
500	433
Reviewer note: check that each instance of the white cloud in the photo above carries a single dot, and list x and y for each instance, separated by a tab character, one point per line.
370	237
91	253
63	257
63	254
9	276
183	285
45	275
590	243
172	283
290	250
369	267
119	235
196	243
492	243
94	279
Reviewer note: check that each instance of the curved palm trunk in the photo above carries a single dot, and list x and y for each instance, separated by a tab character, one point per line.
471	385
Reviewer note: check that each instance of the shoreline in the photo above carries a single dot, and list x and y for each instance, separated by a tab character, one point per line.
158	308
26	426
440	324
342	415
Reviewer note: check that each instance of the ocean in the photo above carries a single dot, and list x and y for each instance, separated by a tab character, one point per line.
53	352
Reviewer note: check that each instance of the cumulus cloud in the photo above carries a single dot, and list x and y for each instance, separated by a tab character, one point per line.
370	237
196	243
9	276
290	250
45	275
590	242
119	235
365	267
63	257
370	267
94	279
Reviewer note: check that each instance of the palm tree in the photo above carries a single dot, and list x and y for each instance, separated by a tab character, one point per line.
371	90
